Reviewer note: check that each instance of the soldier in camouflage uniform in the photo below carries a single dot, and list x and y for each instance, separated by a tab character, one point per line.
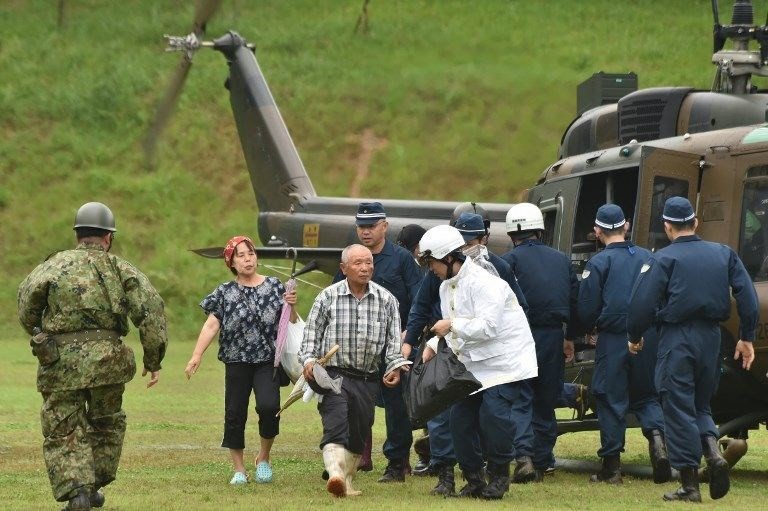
78	303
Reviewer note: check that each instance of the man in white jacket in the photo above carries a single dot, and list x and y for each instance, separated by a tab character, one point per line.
485	326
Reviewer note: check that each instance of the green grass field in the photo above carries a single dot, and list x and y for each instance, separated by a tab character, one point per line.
477	93
172	459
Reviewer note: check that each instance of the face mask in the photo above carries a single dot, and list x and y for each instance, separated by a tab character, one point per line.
475	251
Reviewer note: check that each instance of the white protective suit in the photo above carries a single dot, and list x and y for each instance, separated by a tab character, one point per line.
489	330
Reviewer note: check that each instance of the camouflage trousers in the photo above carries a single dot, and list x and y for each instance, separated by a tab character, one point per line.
83	434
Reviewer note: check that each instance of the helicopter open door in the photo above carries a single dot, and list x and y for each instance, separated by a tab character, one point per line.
553	198
663	174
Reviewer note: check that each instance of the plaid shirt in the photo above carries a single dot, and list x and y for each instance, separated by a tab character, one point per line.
362	328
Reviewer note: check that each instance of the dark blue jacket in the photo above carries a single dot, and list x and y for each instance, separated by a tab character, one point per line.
505	272
606	286
395	269
690	280
549	284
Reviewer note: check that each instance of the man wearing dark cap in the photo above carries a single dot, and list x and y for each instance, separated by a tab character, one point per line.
395	269
604	295
685	290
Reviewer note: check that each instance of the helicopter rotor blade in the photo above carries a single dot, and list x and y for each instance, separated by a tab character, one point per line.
165	108
204	9
203	12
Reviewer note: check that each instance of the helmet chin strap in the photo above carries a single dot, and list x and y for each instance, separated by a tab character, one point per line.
449	273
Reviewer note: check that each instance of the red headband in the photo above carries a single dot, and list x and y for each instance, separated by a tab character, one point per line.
229	250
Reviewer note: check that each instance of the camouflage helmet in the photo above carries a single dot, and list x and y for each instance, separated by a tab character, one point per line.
470	207
95	215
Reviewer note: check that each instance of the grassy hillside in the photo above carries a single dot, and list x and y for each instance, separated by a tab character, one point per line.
468	100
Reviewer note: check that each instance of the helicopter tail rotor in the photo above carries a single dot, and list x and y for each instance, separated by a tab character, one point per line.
188	45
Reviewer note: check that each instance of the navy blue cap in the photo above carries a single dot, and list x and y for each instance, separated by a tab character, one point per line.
609	216
470	225
368	213
678	210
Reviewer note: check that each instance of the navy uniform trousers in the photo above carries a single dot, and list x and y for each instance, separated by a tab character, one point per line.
547	387
687	374
623	383
483	422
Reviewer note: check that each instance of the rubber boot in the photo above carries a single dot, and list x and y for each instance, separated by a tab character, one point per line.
446	482
610	472
334	457
657	450
689	489
352	460
80	502
475	484
524	471
366	462
498	481
717	468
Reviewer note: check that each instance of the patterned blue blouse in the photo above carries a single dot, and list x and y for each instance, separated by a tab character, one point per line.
248	317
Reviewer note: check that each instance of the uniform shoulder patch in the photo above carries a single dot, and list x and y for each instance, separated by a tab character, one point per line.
645	268
585	274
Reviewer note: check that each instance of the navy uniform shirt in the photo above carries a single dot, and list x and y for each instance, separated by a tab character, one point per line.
691	280
606	286
549	284
505	272
396	271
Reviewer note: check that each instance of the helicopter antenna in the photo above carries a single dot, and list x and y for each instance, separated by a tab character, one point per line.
188	45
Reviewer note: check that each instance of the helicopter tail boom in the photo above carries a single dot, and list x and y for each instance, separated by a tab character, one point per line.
277	174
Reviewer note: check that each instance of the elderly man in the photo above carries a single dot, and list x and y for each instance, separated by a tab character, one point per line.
396	271
361	317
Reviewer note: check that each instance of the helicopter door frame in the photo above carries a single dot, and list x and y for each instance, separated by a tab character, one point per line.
557	196
662	174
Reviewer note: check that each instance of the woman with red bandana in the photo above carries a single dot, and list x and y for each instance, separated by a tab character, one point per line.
245	313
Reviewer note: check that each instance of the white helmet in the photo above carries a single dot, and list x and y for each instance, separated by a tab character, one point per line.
440	241
524	217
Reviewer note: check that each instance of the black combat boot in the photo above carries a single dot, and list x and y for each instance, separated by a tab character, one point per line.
657	449
446	484
475	484
80	502
610	472
717	468
498	481
423	467
97	498
689	489
524	471
394	473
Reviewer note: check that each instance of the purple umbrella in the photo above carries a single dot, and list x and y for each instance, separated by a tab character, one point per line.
285	314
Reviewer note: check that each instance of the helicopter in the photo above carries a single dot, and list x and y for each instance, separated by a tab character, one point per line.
631	147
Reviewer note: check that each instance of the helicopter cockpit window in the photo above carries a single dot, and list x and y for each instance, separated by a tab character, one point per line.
663	189
548	237
753	238
619	187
